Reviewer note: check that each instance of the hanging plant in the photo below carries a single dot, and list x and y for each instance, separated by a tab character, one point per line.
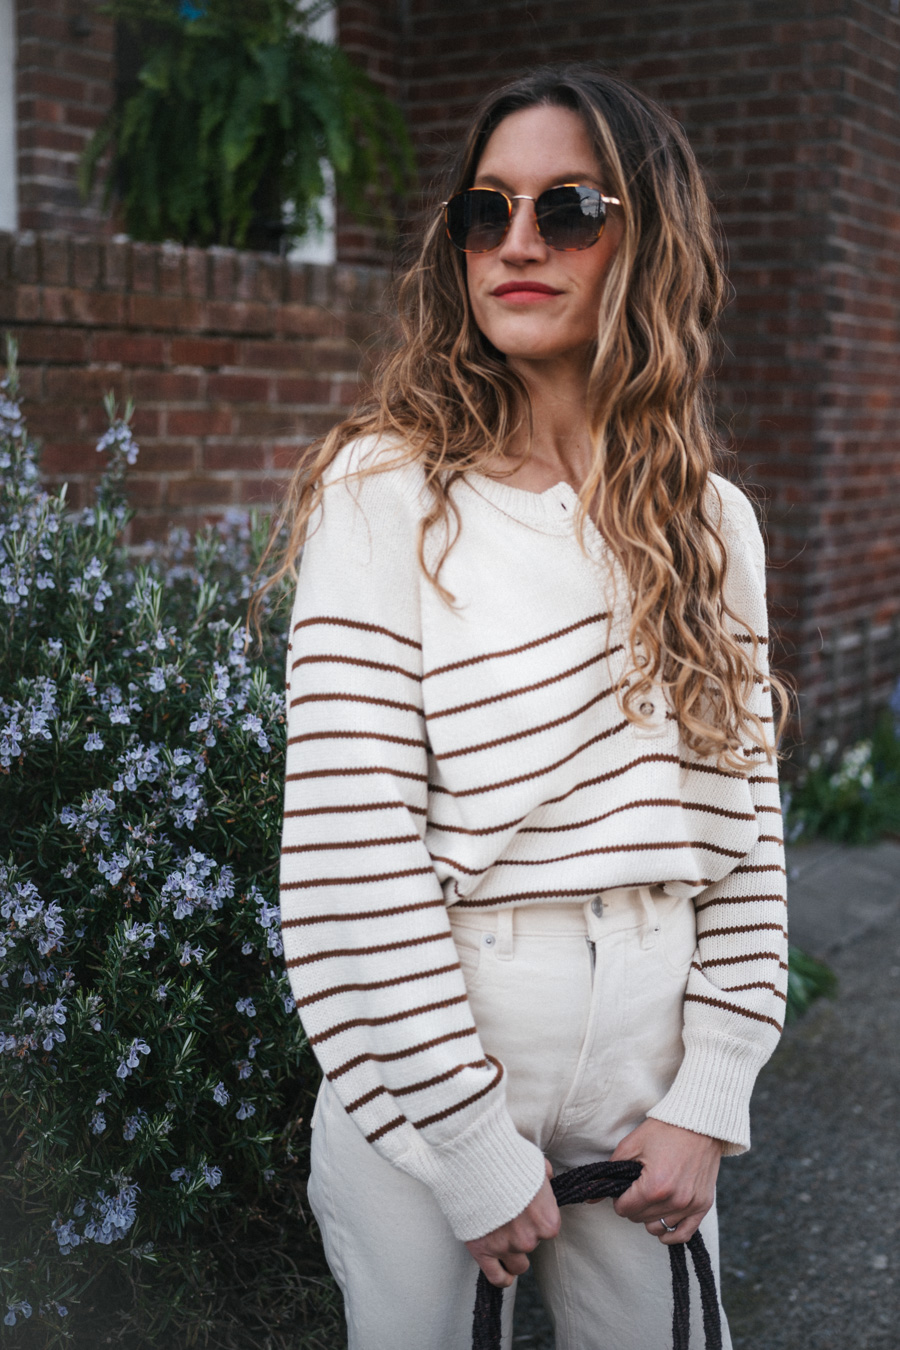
235	111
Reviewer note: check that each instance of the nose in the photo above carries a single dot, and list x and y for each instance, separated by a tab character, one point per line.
523	242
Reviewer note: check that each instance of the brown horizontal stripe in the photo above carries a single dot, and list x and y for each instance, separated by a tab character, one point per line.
415	741
591	852
333	621
730	1007
385	1021
642	802
741	960
525	688
356	806
762	778
386	1129
739	900
467	1101
759	867
536	773
355	1062
436	788
413	1087
770	839
355	881
525	895
531	731
758	984
355	773
361	914
773	810
333	659
744	928
651	802
746	637
357	698
354	843
367	951
364	987
514	651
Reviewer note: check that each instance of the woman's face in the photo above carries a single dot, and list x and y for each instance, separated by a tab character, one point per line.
530	151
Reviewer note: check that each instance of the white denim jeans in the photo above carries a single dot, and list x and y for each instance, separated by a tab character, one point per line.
583	1005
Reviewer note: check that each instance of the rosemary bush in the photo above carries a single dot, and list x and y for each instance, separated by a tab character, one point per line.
153	1071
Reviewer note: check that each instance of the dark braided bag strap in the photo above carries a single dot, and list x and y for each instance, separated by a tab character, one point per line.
601	1181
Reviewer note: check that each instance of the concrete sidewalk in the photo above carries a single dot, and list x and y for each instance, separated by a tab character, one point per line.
838	893
810	1217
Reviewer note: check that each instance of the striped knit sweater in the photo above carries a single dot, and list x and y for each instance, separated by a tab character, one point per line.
476	755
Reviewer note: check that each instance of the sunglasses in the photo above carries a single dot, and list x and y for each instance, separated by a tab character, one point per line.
569	217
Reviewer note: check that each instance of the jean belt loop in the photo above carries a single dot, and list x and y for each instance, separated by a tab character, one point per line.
505	934
651	918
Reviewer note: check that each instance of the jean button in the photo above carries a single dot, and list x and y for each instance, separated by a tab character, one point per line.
489	939
597	907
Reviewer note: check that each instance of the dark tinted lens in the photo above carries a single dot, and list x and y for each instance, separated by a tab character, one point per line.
570	217
477	220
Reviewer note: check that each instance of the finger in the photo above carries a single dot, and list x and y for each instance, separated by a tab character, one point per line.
495	1272
548	1167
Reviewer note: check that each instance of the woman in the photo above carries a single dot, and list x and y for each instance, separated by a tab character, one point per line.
532	880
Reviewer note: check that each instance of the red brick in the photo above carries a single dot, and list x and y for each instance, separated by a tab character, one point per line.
164	457
239	388
129	350
199	422
67	346
165	311
55	260
166	386
144	267
233	458
204	352
202	492
72	457
301	391
69	305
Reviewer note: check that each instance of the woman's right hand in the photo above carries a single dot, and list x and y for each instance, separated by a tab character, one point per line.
501	1253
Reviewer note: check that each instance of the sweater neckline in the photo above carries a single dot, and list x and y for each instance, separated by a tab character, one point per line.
552	511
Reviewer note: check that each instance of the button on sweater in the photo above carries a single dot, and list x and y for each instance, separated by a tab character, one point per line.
475	753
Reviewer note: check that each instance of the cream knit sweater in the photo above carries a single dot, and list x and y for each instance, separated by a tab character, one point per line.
476	755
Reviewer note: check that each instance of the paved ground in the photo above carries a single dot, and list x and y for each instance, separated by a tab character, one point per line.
811	1216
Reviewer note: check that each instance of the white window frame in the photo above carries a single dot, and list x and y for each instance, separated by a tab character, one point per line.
319	246
9	169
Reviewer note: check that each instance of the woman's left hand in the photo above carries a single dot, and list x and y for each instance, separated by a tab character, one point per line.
678	1183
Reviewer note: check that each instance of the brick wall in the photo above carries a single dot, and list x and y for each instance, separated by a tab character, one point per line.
235	361
65	83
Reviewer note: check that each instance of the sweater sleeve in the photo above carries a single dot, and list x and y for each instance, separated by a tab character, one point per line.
736	993
368	947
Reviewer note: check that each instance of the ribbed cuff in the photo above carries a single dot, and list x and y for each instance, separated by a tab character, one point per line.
482	1178
711	1091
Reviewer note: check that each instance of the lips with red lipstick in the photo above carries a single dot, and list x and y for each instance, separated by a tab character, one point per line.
524	291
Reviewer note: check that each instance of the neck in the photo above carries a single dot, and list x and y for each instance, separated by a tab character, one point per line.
560	444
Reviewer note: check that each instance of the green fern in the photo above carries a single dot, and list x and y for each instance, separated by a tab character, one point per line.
235	112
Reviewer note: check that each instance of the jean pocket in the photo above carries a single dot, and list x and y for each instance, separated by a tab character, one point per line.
678	932
469	947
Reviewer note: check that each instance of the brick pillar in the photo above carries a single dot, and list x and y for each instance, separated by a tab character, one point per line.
65	85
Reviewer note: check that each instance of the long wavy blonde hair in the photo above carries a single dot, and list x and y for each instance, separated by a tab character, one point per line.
446	397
